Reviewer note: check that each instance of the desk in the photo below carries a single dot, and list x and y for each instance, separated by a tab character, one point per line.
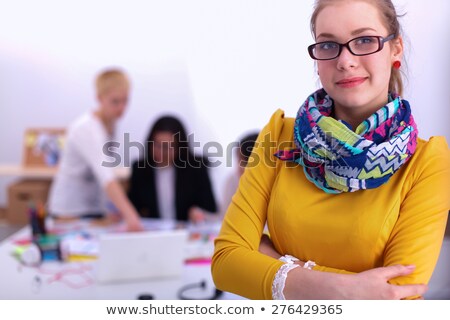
34	185
27	172
21	282
44	173
54	280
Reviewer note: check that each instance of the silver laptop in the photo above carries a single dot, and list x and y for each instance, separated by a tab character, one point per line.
140	255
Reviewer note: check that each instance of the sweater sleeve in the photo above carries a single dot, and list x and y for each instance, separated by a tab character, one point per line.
237	264
418	233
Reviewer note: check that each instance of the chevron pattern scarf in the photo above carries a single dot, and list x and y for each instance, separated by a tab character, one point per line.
337	159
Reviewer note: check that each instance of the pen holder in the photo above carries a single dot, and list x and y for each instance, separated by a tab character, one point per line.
37	222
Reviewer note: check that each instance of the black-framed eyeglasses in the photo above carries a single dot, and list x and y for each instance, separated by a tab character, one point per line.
360	46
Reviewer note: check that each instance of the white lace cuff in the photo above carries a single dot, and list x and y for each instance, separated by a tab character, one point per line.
280	277
288	259
309	265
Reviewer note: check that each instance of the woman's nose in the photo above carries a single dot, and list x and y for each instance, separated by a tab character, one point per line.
346	59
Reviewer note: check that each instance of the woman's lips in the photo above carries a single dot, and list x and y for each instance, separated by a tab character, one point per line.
350	82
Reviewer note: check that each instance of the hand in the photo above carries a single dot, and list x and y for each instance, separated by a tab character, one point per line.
368	285
196	215
113	217
123	206
133	224
373	284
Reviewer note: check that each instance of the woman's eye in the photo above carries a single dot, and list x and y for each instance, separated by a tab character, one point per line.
327	45
365	40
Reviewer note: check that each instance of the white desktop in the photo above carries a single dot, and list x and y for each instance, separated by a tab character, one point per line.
77	280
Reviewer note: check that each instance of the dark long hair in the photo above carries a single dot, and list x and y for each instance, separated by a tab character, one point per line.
171	124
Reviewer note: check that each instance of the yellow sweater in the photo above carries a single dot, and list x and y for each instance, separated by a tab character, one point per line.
400	222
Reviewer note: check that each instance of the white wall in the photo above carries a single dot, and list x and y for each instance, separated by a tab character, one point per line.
222	66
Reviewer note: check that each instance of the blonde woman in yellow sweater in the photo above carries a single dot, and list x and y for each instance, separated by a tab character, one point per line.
356	204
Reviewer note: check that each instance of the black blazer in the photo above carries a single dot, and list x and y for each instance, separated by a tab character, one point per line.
193	188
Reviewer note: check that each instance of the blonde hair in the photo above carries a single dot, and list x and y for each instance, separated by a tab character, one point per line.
111	79
389	18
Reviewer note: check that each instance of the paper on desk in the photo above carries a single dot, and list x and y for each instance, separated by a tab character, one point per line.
79	246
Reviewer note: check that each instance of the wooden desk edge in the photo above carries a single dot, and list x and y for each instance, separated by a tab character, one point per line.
21	171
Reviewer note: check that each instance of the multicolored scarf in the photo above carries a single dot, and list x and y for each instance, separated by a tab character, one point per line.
337	159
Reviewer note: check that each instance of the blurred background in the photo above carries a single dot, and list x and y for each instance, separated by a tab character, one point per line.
223	67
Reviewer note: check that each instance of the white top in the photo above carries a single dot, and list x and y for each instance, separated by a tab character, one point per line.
78	187
165	192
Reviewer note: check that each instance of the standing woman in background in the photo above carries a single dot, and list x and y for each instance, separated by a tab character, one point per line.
83	185
356	204
170	182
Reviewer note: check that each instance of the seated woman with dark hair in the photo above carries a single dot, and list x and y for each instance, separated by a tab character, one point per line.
170	182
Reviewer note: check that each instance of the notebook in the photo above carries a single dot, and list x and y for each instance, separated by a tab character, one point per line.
140	255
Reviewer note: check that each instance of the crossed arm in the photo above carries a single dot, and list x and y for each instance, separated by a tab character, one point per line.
371	284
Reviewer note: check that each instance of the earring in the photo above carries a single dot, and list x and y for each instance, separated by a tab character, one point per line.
397	64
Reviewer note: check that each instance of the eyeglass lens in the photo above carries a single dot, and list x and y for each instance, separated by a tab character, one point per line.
359	46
